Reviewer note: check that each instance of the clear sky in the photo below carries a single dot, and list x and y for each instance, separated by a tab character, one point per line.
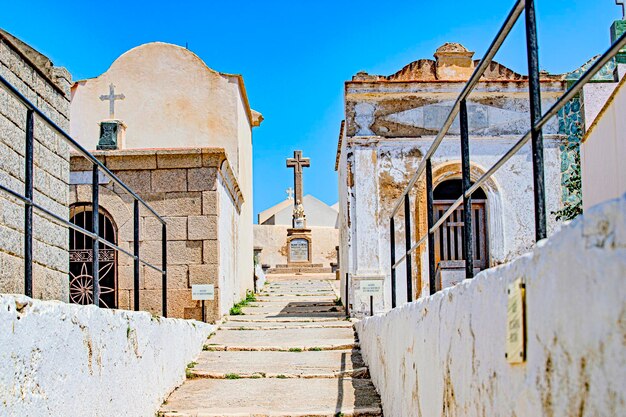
295	55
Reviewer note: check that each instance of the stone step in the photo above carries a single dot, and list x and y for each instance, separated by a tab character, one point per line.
274	325
288	308
283	339
266	298
293	316
273	397
307	364
274	319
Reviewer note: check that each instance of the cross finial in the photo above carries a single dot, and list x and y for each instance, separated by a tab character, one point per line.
111	97
621	3
289	192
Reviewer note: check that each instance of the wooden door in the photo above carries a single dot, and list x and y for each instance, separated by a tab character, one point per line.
449	237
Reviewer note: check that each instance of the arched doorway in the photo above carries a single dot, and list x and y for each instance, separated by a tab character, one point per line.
449	237
81	256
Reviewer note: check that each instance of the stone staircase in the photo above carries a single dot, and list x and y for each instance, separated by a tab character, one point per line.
291	353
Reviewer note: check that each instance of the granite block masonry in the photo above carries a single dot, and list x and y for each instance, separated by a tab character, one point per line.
192	189
48	88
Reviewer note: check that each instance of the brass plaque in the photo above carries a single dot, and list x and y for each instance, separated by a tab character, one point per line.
516	323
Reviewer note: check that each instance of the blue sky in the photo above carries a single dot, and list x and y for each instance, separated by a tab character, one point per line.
295	55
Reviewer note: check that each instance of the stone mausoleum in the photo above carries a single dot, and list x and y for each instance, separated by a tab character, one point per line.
180	135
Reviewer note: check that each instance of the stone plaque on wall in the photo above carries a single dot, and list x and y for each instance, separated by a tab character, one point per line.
299	250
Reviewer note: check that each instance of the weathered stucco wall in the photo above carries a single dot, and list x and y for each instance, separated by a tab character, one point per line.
68	360
48	88
390	124
444	354
273	240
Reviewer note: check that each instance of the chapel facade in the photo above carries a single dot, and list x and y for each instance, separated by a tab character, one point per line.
390	122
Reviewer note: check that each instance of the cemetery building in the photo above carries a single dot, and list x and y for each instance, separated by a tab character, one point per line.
180	135
391	121
277	231
47	87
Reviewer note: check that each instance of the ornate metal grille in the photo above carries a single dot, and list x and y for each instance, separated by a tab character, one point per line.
81	259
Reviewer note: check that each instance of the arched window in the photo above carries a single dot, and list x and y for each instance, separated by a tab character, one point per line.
449	237
81	256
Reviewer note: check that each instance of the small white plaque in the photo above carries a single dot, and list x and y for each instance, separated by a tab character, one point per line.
372	287
203	292
515	330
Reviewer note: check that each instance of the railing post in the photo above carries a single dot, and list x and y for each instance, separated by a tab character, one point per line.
534	90
136	253
392	239
431	237
408	244
95	228
468	252
164	267
28	208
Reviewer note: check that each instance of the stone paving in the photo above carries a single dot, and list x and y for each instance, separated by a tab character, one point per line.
292	353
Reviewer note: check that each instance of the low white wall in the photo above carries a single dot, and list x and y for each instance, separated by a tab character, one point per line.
60	359
444	355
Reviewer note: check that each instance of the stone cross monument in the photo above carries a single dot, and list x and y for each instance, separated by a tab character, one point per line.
298	236
297	163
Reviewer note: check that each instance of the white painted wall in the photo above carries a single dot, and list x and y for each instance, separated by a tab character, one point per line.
68	360
444	354
603	151
229	255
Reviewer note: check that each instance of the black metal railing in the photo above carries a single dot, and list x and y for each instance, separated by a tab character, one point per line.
535	134
27	198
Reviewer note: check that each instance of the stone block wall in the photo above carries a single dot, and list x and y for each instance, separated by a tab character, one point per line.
69	360
48	88
445	354
183	186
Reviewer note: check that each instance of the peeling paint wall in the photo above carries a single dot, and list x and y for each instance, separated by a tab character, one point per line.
389	127
69	360
444	354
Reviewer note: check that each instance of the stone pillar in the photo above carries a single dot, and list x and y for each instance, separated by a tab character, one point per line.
365	228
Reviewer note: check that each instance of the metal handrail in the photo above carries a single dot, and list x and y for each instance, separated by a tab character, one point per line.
535	132
98	166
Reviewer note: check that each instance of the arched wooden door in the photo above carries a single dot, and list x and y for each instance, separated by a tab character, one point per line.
449	237
81	256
